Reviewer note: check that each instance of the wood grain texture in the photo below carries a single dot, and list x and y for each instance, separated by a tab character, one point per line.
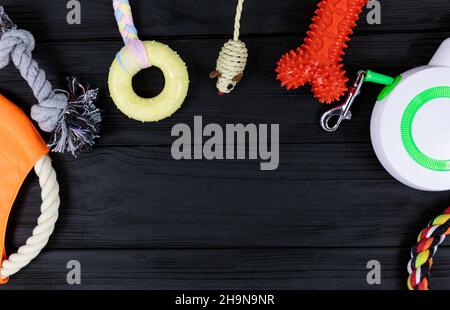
206	269
137	219
322	195
178	18
258	99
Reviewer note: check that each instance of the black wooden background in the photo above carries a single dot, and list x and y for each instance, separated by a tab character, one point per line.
137	219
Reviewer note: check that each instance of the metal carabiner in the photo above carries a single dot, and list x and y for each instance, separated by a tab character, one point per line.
342	112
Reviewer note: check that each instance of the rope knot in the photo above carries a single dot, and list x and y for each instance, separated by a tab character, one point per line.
71	117
17	45
14	44
49	111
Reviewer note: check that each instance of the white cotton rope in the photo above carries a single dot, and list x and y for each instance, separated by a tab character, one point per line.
46	221
237	20
232	58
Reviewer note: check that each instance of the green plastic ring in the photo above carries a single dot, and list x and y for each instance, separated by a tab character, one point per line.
406	128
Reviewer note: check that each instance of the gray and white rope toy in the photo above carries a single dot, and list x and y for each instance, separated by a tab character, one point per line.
70	116
232	59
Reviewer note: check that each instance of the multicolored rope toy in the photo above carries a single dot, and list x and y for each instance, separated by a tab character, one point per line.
419	267
232	59
71	117
319	60
137	55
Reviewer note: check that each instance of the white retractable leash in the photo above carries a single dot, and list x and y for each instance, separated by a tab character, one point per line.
409	127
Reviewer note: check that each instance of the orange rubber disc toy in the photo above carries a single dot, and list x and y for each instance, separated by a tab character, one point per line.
319	60
21	149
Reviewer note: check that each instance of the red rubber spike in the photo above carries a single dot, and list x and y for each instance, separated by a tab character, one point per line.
319	60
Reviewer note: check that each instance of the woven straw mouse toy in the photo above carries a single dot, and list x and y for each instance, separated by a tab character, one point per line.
232	59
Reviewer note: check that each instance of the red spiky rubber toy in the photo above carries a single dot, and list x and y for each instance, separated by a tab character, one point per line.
319	60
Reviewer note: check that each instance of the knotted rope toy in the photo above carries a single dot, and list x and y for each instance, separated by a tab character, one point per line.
422	253
319	60
22	148
137	55
232	59
71	117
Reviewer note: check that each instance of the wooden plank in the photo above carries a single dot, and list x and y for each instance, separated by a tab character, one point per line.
137	219
269	269
310	160
180	18
258	99
322	195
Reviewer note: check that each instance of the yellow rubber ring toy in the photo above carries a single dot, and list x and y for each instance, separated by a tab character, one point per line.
137	55
159	107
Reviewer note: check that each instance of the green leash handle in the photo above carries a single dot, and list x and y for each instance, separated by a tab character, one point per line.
378	78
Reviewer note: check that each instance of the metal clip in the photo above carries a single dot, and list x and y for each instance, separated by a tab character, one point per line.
342	112
6	24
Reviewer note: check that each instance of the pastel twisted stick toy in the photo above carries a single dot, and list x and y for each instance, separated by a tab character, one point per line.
129	33
422	253
71	117
232	59
137	55
319	60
